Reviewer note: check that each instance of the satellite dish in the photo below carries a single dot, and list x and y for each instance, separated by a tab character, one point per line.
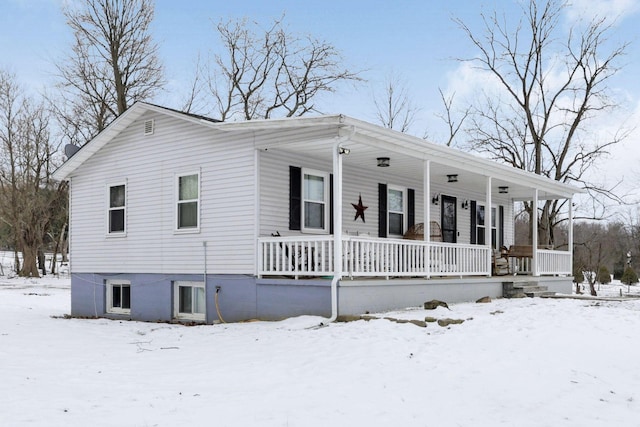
70	150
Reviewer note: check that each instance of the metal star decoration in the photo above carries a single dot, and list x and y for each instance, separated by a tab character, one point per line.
360	208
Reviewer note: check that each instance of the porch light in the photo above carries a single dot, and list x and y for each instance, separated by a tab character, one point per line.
436	199
343	150
383	162
452	178
465	204
503	190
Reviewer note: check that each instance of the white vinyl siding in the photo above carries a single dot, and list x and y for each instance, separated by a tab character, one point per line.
227	201
274	190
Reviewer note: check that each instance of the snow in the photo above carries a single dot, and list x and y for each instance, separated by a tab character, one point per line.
520	362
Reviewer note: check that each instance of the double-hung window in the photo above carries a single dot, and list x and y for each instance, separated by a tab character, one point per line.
188	201
118	297
396	211
315	206
481	226
117	209
189	301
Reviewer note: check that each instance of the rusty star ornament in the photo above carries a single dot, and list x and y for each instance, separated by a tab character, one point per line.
360	208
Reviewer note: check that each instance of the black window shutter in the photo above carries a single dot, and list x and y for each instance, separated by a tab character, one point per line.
295	197
501	225
331	204
382	210
411	207
473	223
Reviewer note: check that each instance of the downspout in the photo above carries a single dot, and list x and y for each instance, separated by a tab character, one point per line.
337	219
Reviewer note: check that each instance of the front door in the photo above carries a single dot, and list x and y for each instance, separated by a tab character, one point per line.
449	219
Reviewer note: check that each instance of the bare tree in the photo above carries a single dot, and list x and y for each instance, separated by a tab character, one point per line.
113	63
27	160
395	108
550	85
271	72
449	116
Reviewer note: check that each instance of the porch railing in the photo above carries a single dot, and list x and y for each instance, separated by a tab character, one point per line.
370	257
554	262
550	263
296	256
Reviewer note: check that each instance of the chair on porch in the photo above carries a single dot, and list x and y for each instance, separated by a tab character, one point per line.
416	232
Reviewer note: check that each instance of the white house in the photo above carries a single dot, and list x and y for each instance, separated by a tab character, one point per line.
178	217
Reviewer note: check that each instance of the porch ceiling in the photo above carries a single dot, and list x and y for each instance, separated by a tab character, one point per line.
407	154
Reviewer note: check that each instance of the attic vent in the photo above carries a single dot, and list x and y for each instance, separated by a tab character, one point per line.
148	127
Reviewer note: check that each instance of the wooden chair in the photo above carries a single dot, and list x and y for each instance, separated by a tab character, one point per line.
416	232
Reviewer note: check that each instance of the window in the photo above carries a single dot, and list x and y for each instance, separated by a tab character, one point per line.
117	209
481	226
396	209
189	301
118	297
188	212
314	196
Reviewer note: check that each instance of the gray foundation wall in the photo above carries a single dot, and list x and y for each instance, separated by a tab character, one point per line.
239	297
357	297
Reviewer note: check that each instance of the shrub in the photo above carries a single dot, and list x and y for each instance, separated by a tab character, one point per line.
629	277
604	276
618	270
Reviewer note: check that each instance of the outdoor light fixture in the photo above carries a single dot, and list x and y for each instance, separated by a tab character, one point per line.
383	162
452	178
436	199
503	190
465	204
343	150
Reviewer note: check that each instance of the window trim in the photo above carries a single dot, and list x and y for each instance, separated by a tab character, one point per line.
405	219
177	202
110	185
326	201
109	297
494	217
177	314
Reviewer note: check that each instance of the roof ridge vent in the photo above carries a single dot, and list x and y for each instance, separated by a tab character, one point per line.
149	127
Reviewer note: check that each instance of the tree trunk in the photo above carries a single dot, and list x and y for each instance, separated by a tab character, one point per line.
64	244
29	262
42	264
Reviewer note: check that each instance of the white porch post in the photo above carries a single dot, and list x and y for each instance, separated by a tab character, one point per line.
488	222
570	236
534	236
426	204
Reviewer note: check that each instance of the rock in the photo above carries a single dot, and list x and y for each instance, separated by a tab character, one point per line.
447	322
347	318
420	323
484	300
434	303
430	319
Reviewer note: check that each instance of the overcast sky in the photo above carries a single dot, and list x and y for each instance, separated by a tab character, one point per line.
415	39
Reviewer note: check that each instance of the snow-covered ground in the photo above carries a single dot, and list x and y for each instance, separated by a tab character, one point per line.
524	362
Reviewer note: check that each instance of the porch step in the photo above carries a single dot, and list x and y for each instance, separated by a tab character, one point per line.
524	289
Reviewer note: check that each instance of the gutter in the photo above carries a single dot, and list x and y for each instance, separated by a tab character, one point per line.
338	152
